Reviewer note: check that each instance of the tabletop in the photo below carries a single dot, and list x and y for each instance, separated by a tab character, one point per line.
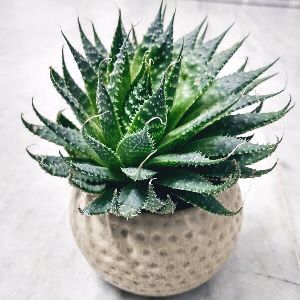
38	256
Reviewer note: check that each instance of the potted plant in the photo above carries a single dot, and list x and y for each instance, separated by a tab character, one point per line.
154	154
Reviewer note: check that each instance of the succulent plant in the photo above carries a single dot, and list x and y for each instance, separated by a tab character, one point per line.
156	129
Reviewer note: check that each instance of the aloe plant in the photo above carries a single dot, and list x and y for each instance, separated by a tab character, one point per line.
155	128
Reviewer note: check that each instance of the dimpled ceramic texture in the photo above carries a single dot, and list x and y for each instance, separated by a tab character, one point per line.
157	255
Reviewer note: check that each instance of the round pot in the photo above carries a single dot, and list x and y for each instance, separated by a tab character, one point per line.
157	255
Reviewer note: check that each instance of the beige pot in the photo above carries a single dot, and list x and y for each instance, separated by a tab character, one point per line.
157	255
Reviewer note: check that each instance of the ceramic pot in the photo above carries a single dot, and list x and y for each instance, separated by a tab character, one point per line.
157	255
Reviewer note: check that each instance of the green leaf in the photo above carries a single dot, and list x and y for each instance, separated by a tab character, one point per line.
119	78
155	30
228	167
134	38
189	39
228	85
138	173
247	100
118	40
91	52
182	159
99	206
88	74
156	205
244	152
202	37
153	112
107	156
162	53
152	202
172	81
77	93
219	146
139	92
256	153
98	43
185	132
64	121
168	208
257	82
247	172
223	88
92	173
70	136
243	66
206	202
90	188
258	108
240	123
131	201
114	209
193	182
53	165
150	39
197	82
135	147
60	86
219	171
109	119
44	133
205	51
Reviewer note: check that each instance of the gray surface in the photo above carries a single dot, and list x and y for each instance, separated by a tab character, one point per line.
38	257
272	3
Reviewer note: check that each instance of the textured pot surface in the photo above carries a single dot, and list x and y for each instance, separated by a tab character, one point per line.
157	255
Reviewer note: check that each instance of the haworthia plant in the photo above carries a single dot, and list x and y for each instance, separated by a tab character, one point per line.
157	129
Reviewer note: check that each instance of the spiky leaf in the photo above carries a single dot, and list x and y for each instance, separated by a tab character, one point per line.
185	132
189	40
150	39
240	123
98	43
139	92
154	112
172	81
131	201
244	152
138	173
91	52
44	133
107	156
199	77
206	202
119	78
162	53
118	40
193	182
135	147
53	165
75	90
223	88
99	206
183	159
64	121
109	120
96	173
60	86
88	73
71	137
91	188
243	66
